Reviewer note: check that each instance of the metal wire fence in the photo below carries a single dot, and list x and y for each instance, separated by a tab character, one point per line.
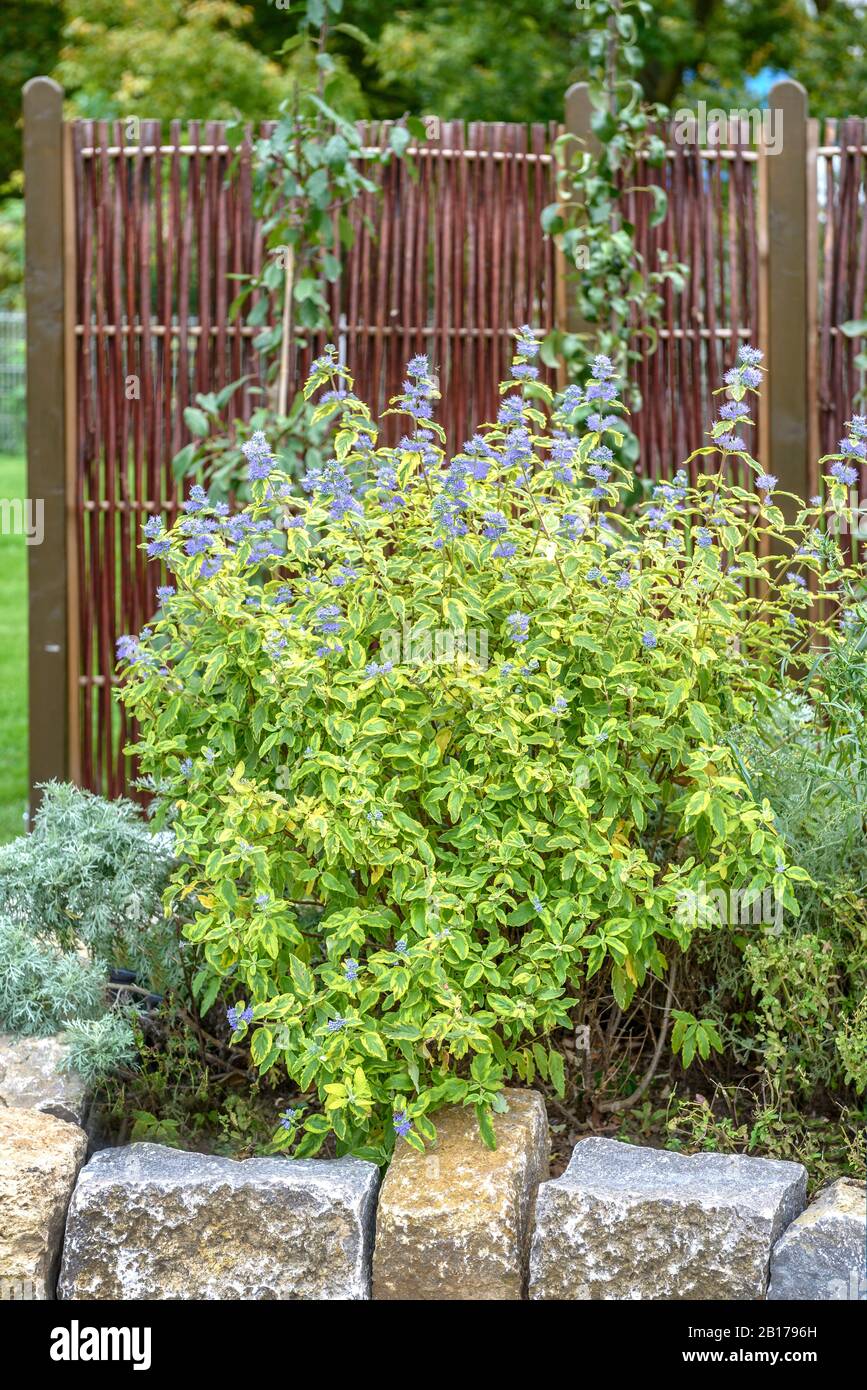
13	412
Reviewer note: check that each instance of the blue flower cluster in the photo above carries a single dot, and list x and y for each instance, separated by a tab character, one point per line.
332	483
258	456
746	372
402	1123
235	1017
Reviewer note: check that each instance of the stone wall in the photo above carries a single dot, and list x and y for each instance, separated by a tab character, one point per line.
458	1222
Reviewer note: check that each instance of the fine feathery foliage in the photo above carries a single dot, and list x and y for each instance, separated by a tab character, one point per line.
41	988
802	987
97	1047
411	862
92	874
78	896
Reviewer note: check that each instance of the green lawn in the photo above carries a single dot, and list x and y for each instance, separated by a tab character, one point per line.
13	662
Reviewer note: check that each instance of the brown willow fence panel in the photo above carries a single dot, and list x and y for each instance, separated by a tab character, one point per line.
711	229
132	254
159	230
456	262
841	178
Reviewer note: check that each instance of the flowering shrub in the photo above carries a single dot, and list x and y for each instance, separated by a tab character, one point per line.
411	870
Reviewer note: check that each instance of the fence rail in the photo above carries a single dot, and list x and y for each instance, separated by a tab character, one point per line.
129	318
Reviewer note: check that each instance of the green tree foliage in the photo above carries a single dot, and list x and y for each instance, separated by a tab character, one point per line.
454	59
167	58
29	41
213	58
831	59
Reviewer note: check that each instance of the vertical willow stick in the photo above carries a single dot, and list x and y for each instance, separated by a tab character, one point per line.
286	344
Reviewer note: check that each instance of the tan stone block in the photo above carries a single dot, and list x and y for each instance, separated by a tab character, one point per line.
40	1156
454	1222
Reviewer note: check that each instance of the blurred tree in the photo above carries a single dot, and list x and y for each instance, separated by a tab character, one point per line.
427	56
214	58
12	253
177	58
832	60
710	48
165	58
29	40
452	58
457	59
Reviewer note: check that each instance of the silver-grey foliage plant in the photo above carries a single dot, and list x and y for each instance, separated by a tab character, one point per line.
92	875
81	894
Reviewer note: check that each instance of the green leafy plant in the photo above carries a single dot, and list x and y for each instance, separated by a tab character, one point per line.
732	1121
412	865
691	1036
175	1094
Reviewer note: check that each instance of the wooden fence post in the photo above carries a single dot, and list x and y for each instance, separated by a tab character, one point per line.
784	297
48	408
578	109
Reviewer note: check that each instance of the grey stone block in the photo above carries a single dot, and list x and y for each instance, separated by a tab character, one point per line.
149	1222
823	1254
625	1222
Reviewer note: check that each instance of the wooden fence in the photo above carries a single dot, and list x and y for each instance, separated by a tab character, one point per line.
841	271
132	250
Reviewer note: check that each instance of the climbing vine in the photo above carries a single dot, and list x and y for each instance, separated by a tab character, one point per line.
617	296
307	176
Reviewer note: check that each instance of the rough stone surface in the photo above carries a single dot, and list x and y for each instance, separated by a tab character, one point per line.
822	1254
29	1078
39	1159
454	1222
149	1222
625	1222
